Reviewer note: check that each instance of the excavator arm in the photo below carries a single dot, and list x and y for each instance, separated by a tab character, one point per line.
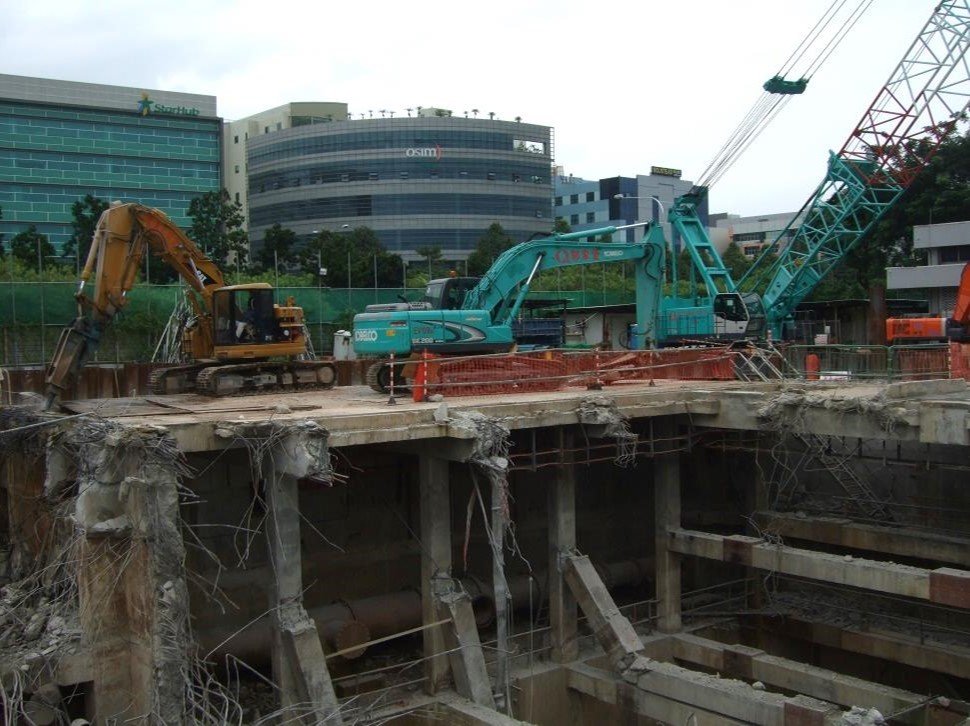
504	286
503	289
123	235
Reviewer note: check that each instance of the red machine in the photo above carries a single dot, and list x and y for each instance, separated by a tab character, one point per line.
930	330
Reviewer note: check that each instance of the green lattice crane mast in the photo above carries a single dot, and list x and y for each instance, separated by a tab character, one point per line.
917	110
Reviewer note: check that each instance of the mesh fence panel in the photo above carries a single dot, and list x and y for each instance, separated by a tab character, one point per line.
551	370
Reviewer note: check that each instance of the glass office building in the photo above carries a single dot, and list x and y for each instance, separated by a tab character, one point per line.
426	180
619	200
61	140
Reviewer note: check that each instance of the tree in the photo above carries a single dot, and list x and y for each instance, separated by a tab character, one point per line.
685	264
492	244
431	254
85	214
941	193
277	249
735	261
561	226
217	227
362	249
32	248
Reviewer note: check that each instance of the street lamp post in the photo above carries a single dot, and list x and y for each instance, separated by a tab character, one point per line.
344	228
276	271
663	213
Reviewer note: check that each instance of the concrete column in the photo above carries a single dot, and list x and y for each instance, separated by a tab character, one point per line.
299	666
464	645
435	562
500	589
286	583
132	596
666	487
562	541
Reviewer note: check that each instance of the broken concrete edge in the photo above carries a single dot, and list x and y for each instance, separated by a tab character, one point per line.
919	389
297	448
109	481
430	421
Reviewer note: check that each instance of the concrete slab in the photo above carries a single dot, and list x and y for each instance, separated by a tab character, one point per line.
355	415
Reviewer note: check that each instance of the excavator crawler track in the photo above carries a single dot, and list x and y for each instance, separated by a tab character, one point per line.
244	378
175	379
378	377
213	379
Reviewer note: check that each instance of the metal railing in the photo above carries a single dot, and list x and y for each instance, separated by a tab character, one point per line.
870	362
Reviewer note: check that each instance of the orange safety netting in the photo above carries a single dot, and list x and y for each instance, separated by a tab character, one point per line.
960	361
552	370
915	364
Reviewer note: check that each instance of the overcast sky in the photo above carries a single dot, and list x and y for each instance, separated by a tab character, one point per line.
626	85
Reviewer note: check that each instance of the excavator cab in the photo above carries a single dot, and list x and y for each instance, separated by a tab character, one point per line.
243	314
738	316
448	293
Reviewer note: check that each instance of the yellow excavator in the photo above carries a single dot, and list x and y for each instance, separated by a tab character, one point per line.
238	340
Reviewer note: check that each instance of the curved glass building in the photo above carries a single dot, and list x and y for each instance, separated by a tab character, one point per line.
426	180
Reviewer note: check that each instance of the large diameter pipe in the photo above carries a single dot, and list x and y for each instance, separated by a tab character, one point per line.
345	624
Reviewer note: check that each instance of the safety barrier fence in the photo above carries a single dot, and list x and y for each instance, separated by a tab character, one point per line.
551	370
890	363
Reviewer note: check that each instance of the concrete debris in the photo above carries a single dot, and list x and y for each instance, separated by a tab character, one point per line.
603	411
304	444
859	716
20	432
491	438
441	414
787	408
119	526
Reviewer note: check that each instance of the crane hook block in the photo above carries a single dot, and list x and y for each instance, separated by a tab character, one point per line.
778	84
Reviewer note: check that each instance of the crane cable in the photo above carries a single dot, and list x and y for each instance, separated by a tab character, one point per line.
769	104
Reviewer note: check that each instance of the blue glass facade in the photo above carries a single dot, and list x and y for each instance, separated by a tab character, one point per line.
415	181
52	155
616	201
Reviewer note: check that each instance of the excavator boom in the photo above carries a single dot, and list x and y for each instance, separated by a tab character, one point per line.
124	234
